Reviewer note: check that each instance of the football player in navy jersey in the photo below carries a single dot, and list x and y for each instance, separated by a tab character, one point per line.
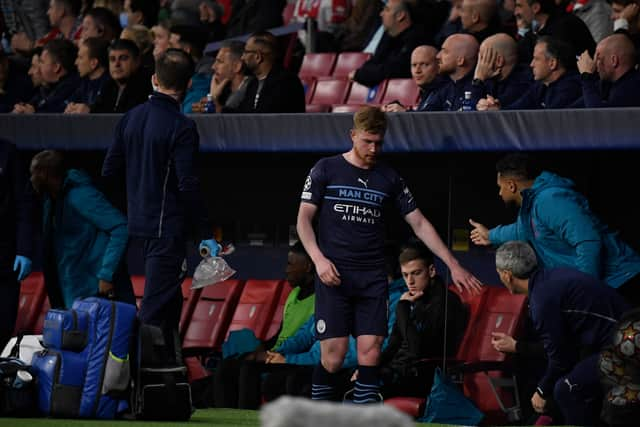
348	193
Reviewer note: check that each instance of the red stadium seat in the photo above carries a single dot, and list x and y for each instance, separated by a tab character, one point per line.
349	61
211	316
309	85
317	65
276	321
317	108
30	303
345	108
256	307
329	91
138	288
484	370
403	90
360	94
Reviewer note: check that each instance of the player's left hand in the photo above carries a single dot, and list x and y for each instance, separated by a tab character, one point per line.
462	279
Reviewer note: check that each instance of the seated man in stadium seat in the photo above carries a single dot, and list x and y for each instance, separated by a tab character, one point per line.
230	81
392	56
92	64
128	86
457	61
419	328
614	63
85	237
424	72
575	314
59	79
498	72
237	381
274	89
557	83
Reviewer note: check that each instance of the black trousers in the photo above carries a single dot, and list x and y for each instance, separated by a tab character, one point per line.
237	382
630	290
162	301
9	298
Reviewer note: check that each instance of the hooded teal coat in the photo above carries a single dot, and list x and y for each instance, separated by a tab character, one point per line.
558	223
87	234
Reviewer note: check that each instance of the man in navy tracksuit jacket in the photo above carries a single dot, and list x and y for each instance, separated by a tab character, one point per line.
155	146
575	315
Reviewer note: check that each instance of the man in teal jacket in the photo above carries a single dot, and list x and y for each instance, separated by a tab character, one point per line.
558	223
85	237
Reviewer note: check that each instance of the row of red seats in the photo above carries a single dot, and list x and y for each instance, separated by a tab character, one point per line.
209	314
331	64
341	95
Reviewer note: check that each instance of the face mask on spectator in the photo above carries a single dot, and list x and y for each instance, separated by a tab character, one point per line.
123	19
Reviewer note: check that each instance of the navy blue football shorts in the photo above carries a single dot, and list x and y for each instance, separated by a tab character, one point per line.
357	307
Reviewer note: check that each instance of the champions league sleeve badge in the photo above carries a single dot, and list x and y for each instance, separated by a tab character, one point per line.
306	194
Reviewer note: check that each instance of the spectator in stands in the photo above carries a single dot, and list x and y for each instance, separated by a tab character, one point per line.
92	63
626	20
15	85
192	40
211	14
619	82
556	219
595	14
17	223
424	71
34	69
557	84
229	82
498	73
575	315
102	23
456	61
128	86
419	331
393	54
253	16
27	21
548	20
452	25
274	89
237	381
155	148
85	237
347	193
351	35
59	78
480	18
143	12
65	20
161	35
143	38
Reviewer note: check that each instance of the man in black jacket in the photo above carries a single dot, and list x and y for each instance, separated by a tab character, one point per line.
419	331
274	89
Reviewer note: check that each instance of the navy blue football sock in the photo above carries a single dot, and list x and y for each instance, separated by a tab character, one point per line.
322	384
367	389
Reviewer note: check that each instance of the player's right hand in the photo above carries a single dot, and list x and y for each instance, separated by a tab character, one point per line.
328	272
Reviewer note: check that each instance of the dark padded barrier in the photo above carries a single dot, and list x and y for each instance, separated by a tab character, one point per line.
603	129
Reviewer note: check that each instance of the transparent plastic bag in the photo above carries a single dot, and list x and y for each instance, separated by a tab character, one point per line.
211	270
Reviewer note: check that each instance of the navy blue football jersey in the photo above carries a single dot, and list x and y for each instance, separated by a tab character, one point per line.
351	207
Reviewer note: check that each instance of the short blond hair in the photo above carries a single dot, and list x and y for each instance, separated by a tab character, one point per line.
370	119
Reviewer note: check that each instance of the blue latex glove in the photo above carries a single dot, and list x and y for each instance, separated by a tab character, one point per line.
210	246
22	265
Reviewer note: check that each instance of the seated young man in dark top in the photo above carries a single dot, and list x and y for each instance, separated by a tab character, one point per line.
419	331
